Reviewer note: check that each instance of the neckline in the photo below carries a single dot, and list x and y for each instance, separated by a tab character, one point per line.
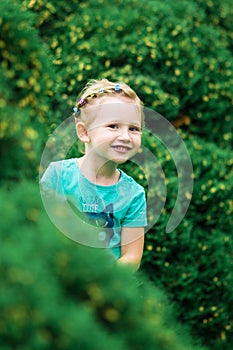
96	184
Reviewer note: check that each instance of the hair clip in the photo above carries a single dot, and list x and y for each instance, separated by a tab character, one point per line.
75	109
101	91
81	102
117	88
92	94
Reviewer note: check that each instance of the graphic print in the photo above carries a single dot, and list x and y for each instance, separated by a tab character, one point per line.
102	220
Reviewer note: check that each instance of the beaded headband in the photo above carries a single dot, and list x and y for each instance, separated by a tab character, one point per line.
83	101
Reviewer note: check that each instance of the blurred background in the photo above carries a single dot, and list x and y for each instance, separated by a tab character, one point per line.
177	56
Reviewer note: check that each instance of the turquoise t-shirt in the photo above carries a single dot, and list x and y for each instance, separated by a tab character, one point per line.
109	207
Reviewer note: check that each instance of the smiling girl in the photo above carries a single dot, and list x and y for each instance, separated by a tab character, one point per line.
109	121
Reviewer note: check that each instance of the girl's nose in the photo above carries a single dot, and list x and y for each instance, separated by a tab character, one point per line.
124	134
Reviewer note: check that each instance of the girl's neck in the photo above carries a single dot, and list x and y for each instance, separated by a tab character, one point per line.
105	174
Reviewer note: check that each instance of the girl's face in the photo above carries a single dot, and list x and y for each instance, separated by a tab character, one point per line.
115	130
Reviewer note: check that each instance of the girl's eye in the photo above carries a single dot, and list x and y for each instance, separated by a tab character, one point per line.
135	129
113	126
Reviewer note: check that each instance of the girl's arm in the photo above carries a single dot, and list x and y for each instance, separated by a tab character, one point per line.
132	243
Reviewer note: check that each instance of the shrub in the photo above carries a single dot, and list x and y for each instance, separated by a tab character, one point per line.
219	14
194	262
170	52
56	293
180	63
27	83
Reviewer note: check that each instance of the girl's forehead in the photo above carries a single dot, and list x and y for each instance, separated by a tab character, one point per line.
108	99
118	111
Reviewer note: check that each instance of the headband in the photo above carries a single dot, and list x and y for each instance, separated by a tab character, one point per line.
83	101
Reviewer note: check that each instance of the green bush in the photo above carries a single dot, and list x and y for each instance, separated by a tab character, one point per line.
170	52
27	83
179	64
194	262
57	294
219	14
178	57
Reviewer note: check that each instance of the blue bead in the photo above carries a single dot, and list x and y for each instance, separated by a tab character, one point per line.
117	87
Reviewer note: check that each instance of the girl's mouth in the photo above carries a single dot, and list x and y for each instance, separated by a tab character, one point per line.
121	149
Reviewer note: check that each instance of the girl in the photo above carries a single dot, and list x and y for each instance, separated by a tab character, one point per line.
109	121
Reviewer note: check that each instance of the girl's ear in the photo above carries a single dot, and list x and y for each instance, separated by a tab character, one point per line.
82	132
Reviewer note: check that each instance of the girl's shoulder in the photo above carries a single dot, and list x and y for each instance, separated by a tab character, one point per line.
64	163
130	180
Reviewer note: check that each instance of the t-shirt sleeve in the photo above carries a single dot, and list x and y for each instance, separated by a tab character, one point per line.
136	214
49	183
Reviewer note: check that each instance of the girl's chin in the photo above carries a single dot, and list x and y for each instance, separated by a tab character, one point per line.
119	160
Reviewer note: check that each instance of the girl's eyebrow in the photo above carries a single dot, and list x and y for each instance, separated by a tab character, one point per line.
122	122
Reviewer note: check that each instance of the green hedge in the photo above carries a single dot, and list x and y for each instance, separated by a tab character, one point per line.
219	14
57	294
180	64
27	85
194	262
176	57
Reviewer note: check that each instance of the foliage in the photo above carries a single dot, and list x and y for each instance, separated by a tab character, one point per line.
165	58
178	57
172	53
194	262
219	14
26	77
56	293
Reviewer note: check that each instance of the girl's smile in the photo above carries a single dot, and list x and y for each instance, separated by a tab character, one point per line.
121	149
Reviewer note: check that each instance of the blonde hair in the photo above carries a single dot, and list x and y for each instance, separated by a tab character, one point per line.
95	89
